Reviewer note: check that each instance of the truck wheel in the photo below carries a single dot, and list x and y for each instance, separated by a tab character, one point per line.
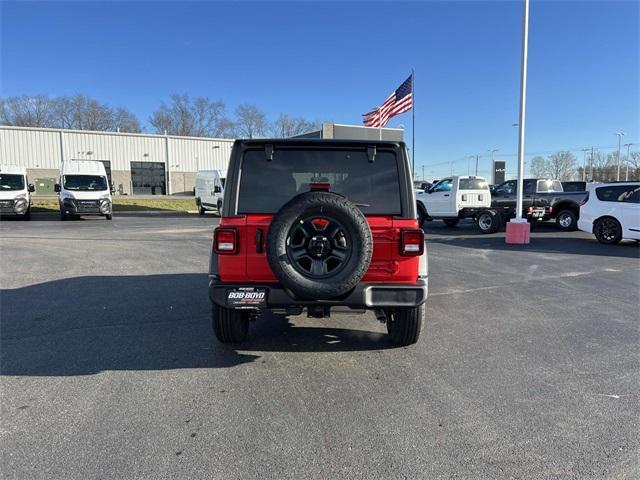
219	208
229	325
451	222
63	216
607	230
488	221
566	220
404	325
200	207
422	214
27	216
109	216
319	245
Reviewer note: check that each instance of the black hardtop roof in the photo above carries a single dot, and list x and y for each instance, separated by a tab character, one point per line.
325	142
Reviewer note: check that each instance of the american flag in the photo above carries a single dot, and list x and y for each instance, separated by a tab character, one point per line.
398	102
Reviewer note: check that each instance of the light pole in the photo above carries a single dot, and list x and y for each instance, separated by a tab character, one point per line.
620	135
584	163
628	145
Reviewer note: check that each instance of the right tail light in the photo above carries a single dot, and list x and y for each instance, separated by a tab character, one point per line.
411	243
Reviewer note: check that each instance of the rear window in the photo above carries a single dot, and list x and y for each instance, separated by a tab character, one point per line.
619	193
549	186
473	184
266	186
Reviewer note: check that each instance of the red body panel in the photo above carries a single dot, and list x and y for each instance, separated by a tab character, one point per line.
249	265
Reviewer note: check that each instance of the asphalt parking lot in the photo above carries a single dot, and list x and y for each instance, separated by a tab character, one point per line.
528	366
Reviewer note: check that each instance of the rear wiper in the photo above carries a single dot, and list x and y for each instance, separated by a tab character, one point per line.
365	205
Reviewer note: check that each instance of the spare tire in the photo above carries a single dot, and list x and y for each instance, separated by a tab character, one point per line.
319	245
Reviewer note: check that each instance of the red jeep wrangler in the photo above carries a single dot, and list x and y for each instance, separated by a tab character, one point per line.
318	225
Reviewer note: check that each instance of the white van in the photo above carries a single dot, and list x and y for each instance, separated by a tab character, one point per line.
209	190
15	192
84	189
453	198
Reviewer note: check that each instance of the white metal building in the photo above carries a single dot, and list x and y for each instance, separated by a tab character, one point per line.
137	163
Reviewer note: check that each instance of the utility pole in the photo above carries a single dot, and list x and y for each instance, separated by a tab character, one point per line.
628	145
584	163
620	135
423	173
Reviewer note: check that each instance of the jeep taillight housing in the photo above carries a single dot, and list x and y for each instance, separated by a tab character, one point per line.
411	243
225	241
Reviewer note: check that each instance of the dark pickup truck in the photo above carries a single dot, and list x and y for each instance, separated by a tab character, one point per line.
542	200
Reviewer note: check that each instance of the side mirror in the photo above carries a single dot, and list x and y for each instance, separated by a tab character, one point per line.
56	188
32	187
429	190
217	189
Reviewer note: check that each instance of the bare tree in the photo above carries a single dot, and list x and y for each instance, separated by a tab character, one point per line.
285	126
125	121
27	111
251	121
539	167
198	117
562	165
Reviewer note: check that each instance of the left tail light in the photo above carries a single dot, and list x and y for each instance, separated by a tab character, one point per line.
411	243
225	241
585	199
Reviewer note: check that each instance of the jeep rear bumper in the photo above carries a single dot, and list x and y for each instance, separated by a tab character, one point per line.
364	296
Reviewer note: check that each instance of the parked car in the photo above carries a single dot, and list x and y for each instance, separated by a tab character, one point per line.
577	186
452	199
15	192
318	225
611	211
209	190
84	189
543	199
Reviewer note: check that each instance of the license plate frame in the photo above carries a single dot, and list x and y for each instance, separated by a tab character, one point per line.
246	297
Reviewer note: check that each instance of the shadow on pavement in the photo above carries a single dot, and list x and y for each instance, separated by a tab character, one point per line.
86	325
466	235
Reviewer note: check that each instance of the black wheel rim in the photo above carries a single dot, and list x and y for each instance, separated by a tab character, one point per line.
607	229
318	246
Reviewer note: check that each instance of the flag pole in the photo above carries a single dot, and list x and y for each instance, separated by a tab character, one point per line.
413	125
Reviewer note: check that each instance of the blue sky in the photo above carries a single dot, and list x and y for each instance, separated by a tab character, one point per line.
335	60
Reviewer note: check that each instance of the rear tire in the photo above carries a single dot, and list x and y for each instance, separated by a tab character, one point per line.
567	220
109	216
219	208
451	222
488	221
229	325
607	230
405	324
422	214
201	209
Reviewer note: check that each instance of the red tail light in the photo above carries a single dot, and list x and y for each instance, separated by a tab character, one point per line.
585	199
411	243
225	241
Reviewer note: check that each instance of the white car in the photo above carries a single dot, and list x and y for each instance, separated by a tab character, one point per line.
611	211
209	190
15	192
84	189
453	198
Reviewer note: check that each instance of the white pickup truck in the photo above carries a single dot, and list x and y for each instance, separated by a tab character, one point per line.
453	198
